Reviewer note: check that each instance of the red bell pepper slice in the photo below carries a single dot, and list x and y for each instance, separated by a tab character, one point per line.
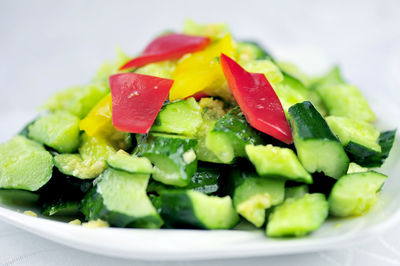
257	100
136	100
166	47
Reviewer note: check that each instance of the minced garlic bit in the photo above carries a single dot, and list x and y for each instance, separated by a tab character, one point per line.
96	224
75	222
30	213
189	156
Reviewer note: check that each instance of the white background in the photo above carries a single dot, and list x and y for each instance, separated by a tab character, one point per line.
49	45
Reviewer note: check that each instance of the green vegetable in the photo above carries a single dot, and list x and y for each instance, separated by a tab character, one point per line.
193	209
59	130
277	162
120	199
174	159
317	147
74	165
77	100
354	194
298	216
296	192
253	194
250	50
372	159
230	135
130	163
24	164
181	117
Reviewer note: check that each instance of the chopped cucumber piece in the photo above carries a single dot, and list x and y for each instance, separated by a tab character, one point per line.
162	69
95	148
277	162
298	216
173	157
181	117
120	199
253	194
266	67
249	50
205	180
74	165
18	198
68	208
295	72
317	147
77	100
296	192
354	194
193	209
230	135
24	164
130	163
347	101
355	168
59	130
290	91
353	131
366	158
332	77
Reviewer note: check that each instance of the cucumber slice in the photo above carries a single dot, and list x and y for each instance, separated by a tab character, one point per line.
95	148
266	67
317	147
296	192
347	101
253	194
354	194
298	216
59	130
295	72
205	180
24	164
67	208
290	91
355	168
250	50
277	162
181	117
230	135
74	165
162	69
372	159
77	100
130	163
332	77
353	131
120	199
173	157
193	209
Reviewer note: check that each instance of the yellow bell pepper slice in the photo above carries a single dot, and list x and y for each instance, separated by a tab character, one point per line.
201	71
99	120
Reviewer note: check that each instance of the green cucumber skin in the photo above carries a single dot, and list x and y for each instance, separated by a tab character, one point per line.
92	206
309	123
235	125
61	208
62	189
174	202
262	54
171	148
368	158
205	180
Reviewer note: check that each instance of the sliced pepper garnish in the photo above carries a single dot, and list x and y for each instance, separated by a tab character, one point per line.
136	100
201	71
168	47
257	100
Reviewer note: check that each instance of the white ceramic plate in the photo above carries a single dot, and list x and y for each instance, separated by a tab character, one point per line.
197	244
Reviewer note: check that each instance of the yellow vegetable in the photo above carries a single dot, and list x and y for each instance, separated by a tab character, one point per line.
201	71
99	120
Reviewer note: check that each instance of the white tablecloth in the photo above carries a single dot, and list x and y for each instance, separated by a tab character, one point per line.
48	45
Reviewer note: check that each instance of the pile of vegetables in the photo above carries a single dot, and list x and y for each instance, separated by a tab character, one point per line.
201	131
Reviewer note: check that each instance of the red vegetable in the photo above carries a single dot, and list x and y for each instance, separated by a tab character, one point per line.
166	47
136	100
198	95
257	100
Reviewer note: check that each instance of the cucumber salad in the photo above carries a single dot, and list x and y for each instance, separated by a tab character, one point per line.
201	130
